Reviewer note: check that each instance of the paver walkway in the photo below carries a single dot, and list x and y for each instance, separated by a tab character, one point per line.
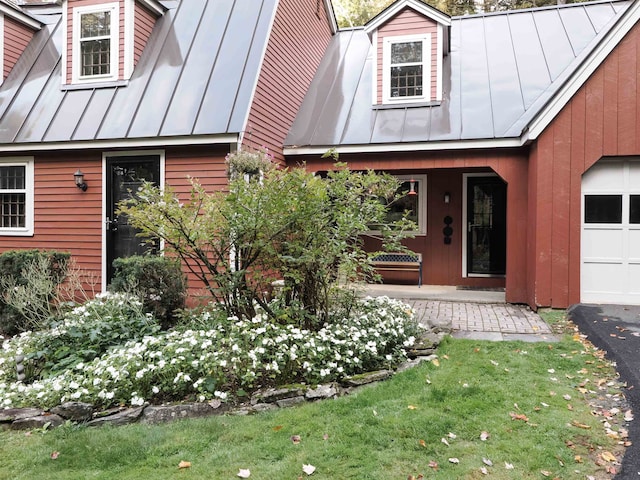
484	321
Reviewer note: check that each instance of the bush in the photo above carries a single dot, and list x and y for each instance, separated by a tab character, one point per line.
225	358
158	280
29	281
84	333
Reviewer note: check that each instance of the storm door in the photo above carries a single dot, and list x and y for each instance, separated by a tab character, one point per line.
486	226
124	176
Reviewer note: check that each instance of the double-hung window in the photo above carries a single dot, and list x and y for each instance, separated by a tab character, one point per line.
406	68
95	43
410	203
16	197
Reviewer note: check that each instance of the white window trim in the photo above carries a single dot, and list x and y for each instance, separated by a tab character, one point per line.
426	68
422	203
27	163
76	69
1	48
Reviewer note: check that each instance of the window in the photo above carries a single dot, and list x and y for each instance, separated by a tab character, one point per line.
412	202
406	74
95	47
603	209
16	197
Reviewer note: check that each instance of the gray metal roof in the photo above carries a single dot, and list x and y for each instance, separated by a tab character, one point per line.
196	76
501	72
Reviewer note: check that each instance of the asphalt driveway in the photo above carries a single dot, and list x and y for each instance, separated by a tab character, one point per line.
616	330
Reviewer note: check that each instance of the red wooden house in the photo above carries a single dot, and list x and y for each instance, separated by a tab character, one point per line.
517	130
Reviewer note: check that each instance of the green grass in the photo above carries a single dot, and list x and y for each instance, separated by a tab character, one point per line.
375	433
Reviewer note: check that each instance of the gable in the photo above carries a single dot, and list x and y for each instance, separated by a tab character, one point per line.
16	31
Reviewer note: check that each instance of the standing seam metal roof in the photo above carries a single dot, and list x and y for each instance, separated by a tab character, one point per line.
501	71
196	77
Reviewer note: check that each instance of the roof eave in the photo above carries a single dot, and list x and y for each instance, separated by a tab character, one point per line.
20	16
154	6
393	9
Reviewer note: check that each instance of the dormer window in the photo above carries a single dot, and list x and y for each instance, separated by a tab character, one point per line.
104	39
406	71
95	46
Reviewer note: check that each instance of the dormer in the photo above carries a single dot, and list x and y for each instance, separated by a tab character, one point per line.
16	31
410	39
105	38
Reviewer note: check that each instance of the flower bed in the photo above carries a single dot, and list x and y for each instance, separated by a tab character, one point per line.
233	357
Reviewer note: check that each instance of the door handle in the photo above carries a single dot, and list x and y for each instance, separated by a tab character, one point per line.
112	225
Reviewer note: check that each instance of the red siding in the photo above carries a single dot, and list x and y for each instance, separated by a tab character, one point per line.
66	218
298	40
602	119
444	170
16	39
408	22
144	22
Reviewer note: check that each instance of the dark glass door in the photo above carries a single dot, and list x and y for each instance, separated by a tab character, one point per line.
124	176
486	225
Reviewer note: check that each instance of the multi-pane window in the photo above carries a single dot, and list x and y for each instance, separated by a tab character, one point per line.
409	202
12	196
406	68
16	197
95	43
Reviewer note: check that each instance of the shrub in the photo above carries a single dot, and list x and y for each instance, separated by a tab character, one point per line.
158	280
29	282
227	358
84	333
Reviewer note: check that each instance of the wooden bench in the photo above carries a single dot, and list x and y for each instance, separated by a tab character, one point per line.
399	262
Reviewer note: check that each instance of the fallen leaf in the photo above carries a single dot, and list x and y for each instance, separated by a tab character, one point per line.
508	466
446	357
244	473
296	439
444	440
608	456
484	471
436	362
545	473
567	397
494	363
308	469
412	407
184	464
575	423
628	416
54	455
487	462
484	436
375	414
422	443
454	460
325	436
519	416
452	435
433	465
277	428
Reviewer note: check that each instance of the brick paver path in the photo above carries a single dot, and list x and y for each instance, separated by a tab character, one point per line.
480	317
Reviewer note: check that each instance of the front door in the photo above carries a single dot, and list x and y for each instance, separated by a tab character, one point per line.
486	226
124	176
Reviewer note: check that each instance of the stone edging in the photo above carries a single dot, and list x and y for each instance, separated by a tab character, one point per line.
261	400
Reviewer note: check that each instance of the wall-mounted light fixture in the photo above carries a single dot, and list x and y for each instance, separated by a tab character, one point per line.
79	179
412	187
447	197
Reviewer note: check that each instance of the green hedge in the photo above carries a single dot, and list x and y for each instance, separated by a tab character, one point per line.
158	280
12	264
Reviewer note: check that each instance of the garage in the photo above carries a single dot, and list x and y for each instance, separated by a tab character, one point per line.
610	246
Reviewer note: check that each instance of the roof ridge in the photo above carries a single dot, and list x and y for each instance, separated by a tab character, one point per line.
538	9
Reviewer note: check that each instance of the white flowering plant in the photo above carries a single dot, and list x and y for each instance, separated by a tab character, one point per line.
222	359
84	333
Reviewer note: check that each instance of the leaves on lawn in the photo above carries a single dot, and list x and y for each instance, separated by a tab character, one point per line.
277	428
422	443
244	473
454	460
308	469
54	455
433	464
484	436
519	416
184	464
296	439
508	466
412	407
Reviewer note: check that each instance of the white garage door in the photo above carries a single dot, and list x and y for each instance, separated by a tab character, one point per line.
610	250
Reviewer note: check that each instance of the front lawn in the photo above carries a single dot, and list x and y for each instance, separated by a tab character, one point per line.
516	410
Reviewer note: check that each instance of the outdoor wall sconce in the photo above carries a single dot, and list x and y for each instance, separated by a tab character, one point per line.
412	187
79	179
447	197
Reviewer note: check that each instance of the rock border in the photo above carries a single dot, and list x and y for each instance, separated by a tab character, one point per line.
260	401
